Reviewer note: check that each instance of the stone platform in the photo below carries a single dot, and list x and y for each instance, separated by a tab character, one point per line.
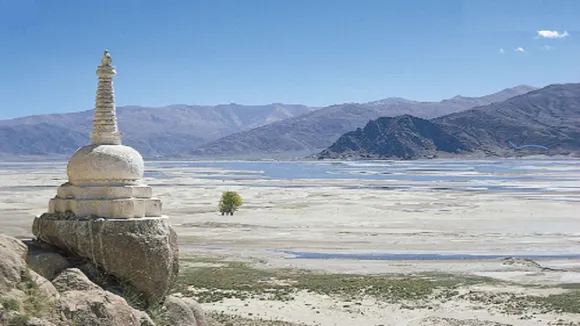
142	252
123	201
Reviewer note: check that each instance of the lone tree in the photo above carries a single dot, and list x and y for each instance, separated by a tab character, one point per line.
230	202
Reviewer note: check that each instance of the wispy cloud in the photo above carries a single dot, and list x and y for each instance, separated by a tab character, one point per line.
548	47
520	49
552	34
501	51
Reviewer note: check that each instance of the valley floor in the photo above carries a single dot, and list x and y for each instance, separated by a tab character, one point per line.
245	265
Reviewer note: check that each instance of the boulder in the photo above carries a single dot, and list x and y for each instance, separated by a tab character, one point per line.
13	261
73	279
30	295
45	260
38	322
184	312
82	302
98	308
143	318
43	286
140	251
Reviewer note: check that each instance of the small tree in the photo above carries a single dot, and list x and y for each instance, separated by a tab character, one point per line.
230	202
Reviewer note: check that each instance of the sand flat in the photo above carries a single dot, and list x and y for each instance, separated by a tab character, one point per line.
346	215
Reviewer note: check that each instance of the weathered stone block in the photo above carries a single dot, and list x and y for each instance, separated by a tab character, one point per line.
110	208
142	252
70	191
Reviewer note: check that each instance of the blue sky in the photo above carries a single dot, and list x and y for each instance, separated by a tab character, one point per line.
315	52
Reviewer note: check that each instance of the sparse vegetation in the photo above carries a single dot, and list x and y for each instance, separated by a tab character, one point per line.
10	304
158	314
218	280
19	320
240	280
229	202
231	320
35	303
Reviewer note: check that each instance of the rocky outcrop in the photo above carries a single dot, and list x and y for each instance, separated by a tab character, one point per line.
142	252
84	303
547	118
182	311
12	265
403	137
72	298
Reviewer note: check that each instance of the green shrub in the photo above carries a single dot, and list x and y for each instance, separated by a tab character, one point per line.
229	202
10	304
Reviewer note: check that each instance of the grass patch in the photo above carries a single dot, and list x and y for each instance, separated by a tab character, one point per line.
19	320
10	304
511	303
570	286
159	315
233	320
36	303
240	280
228	279
568	302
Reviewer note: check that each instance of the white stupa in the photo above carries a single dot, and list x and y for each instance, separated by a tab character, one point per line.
105	177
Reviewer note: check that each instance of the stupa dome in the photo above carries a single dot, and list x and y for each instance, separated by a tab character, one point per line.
98	164
105	161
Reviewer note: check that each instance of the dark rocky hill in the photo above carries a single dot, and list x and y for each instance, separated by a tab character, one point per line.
548	117
401	137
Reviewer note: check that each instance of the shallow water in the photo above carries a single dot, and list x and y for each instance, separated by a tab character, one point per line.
454	171
510	175
411	256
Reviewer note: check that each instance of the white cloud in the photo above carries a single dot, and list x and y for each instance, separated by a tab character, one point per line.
519	49
501	51
552	34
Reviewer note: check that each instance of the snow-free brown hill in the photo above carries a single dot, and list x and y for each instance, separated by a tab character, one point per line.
314	131
548	117
155	132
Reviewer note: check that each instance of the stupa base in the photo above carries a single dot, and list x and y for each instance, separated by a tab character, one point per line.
127	201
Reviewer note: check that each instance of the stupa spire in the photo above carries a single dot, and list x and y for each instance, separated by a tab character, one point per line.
105	129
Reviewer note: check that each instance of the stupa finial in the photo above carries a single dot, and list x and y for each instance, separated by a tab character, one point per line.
105	130
106	60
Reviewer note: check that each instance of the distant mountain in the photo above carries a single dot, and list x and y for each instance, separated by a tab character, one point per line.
547	117
39	139
314	131
166	131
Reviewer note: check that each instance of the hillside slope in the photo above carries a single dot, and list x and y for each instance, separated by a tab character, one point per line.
165	131
314	131
548	117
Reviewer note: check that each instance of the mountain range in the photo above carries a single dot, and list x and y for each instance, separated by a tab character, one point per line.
314	131
547	118
155	132
225	131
